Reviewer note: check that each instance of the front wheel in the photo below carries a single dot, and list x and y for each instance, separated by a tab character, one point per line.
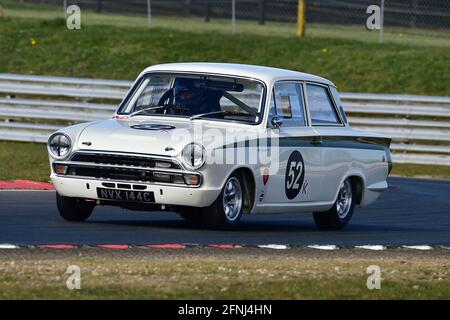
340	214
74	209
226	211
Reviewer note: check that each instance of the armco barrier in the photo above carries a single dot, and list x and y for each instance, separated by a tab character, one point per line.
31	107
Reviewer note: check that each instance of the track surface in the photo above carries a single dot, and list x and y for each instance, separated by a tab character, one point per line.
412	211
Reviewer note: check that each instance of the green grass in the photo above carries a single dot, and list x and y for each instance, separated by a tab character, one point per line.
114	46
407	36
243	277
22	160
417	170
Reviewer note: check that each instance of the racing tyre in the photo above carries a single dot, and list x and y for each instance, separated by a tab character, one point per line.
340	214
74	209
226	211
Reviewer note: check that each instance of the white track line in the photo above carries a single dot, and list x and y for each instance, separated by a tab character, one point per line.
375	247
274	246
285	247
8	246
419	247
323	247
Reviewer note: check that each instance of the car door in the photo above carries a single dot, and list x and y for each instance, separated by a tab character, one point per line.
298	178
330	125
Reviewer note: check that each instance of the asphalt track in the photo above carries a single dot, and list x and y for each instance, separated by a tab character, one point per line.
411	212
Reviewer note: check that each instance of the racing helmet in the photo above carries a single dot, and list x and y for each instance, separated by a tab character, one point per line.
186	93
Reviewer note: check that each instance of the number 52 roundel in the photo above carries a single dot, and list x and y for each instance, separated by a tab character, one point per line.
295	174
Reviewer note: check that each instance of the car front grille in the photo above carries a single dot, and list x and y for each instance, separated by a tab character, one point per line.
123	160
126	167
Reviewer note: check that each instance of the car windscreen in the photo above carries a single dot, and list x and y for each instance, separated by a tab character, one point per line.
197	97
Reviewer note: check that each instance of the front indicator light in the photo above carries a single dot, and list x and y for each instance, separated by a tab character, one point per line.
59	169
192	179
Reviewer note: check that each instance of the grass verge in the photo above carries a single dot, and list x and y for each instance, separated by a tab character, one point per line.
397	35
23	160
39	44
421	171
233	276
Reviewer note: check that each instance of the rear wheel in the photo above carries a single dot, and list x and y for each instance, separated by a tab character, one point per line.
340	214
226	211
74	209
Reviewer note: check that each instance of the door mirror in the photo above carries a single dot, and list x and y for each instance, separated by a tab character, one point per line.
276	122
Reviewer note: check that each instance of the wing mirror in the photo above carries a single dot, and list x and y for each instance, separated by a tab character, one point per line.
276	122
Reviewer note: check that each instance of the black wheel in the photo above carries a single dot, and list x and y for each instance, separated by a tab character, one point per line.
340	214
74	209
226	211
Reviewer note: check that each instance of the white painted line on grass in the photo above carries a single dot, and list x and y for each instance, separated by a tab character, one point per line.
419	247
323	247
274	246
375	247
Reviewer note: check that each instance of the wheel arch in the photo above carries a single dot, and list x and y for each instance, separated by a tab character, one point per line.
249	184
358	181
358	184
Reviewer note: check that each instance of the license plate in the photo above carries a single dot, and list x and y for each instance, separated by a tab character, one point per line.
126	195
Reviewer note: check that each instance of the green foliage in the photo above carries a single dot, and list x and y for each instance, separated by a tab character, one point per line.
108	51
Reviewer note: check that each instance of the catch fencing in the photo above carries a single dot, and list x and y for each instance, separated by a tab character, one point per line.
411	16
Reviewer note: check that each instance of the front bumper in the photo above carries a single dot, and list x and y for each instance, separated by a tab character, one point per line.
167	195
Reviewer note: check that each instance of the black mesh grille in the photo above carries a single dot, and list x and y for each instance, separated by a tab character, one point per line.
122	160
123	174
112	173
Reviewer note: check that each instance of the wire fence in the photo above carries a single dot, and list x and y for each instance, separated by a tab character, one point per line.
422	16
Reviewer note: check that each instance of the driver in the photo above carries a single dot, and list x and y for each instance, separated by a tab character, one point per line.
188	96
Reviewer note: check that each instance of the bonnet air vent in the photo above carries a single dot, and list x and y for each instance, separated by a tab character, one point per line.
149	126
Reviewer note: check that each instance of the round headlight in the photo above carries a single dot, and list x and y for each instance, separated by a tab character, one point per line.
59	145
193	156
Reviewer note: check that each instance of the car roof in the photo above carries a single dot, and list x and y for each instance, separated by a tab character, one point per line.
266	74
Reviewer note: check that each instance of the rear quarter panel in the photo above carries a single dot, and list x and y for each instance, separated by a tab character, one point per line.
349	153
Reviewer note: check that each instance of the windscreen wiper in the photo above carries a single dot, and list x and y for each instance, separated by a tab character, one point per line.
201	115
146	109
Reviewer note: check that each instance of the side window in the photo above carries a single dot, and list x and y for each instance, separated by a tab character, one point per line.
321	106
289	103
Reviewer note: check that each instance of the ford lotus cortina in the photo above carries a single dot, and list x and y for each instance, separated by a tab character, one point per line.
215	141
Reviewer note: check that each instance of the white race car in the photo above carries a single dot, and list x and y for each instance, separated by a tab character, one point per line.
212	141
